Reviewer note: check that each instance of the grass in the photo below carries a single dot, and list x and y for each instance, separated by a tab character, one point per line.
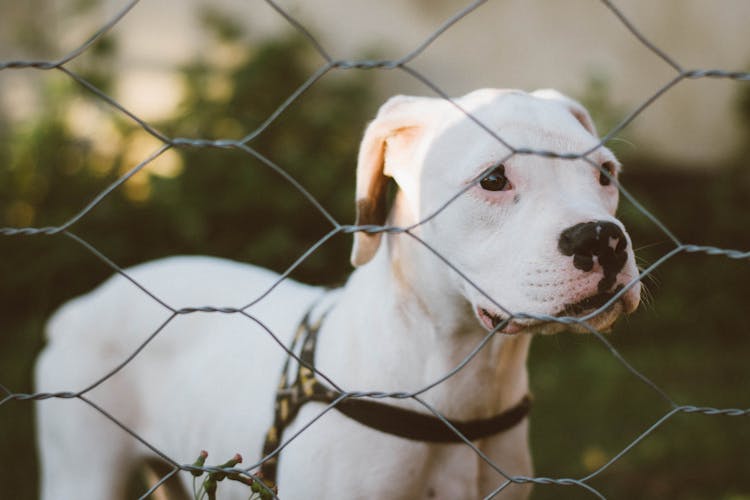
590	407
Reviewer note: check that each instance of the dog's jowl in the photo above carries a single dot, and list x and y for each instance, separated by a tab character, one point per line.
498	242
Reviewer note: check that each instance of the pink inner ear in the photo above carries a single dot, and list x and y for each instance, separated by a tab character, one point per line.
371	210
400	148
584	119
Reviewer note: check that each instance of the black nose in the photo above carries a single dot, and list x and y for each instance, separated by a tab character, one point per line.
601	239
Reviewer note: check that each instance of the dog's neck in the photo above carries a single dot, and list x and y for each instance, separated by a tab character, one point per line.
404	327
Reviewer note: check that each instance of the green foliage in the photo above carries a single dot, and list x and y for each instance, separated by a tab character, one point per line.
225	28
743	111
208	488
218	201
597	99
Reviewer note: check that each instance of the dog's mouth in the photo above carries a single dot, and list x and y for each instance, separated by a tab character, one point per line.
491	321
603	320
589	304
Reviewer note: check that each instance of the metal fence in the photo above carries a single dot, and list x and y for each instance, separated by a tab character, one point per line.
243	145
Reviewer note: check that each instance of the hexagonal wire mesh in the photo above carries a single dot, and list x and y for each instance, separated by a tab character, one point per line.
242	145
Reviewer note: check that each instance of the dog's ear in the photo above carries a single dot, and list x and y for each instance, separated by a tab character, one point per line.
575	108
387	143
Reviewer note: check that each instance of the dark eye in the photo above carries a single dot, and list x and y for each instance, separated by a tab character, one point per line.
495	180
608	167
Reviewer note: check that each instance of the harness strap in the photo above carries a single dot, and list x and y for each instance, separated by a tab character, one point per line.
394	420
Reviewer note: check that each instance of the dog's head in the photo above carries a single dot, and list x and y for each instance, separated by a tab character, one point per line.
533	234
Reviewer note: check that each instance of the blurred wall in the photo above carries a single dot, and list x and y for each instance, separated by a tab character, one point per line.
511	43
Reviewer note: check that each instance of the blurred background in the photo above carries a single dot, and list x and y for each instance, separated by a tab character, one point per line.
218	69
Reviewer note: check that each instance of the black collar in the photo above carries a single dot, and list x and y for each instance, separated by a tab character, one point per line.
401	422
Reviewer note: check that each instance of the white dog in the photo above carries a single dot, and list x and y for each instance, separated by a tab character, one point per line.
529	234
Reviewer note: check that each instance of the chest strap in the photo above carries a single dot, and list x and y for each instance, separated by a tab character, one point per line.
394	420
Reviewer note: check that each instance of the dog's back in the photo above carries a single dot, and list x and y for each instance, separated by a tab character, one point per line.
83	454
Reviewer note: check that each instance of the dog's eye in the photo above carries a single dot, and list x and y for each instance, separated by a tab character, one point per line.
495	180
609	167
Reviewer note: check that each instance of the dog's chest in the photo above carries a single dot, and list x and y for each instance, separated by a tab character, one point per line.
352	461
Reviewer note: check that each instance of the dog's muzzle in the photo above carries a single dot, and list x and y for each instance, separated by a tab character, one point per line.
599	247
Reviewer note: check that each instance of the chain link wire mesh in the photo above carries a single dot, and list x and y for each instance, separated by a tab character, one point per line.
504	480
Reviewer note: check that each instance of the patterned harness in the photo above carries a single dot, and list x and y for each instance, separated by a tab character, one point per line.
408	424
